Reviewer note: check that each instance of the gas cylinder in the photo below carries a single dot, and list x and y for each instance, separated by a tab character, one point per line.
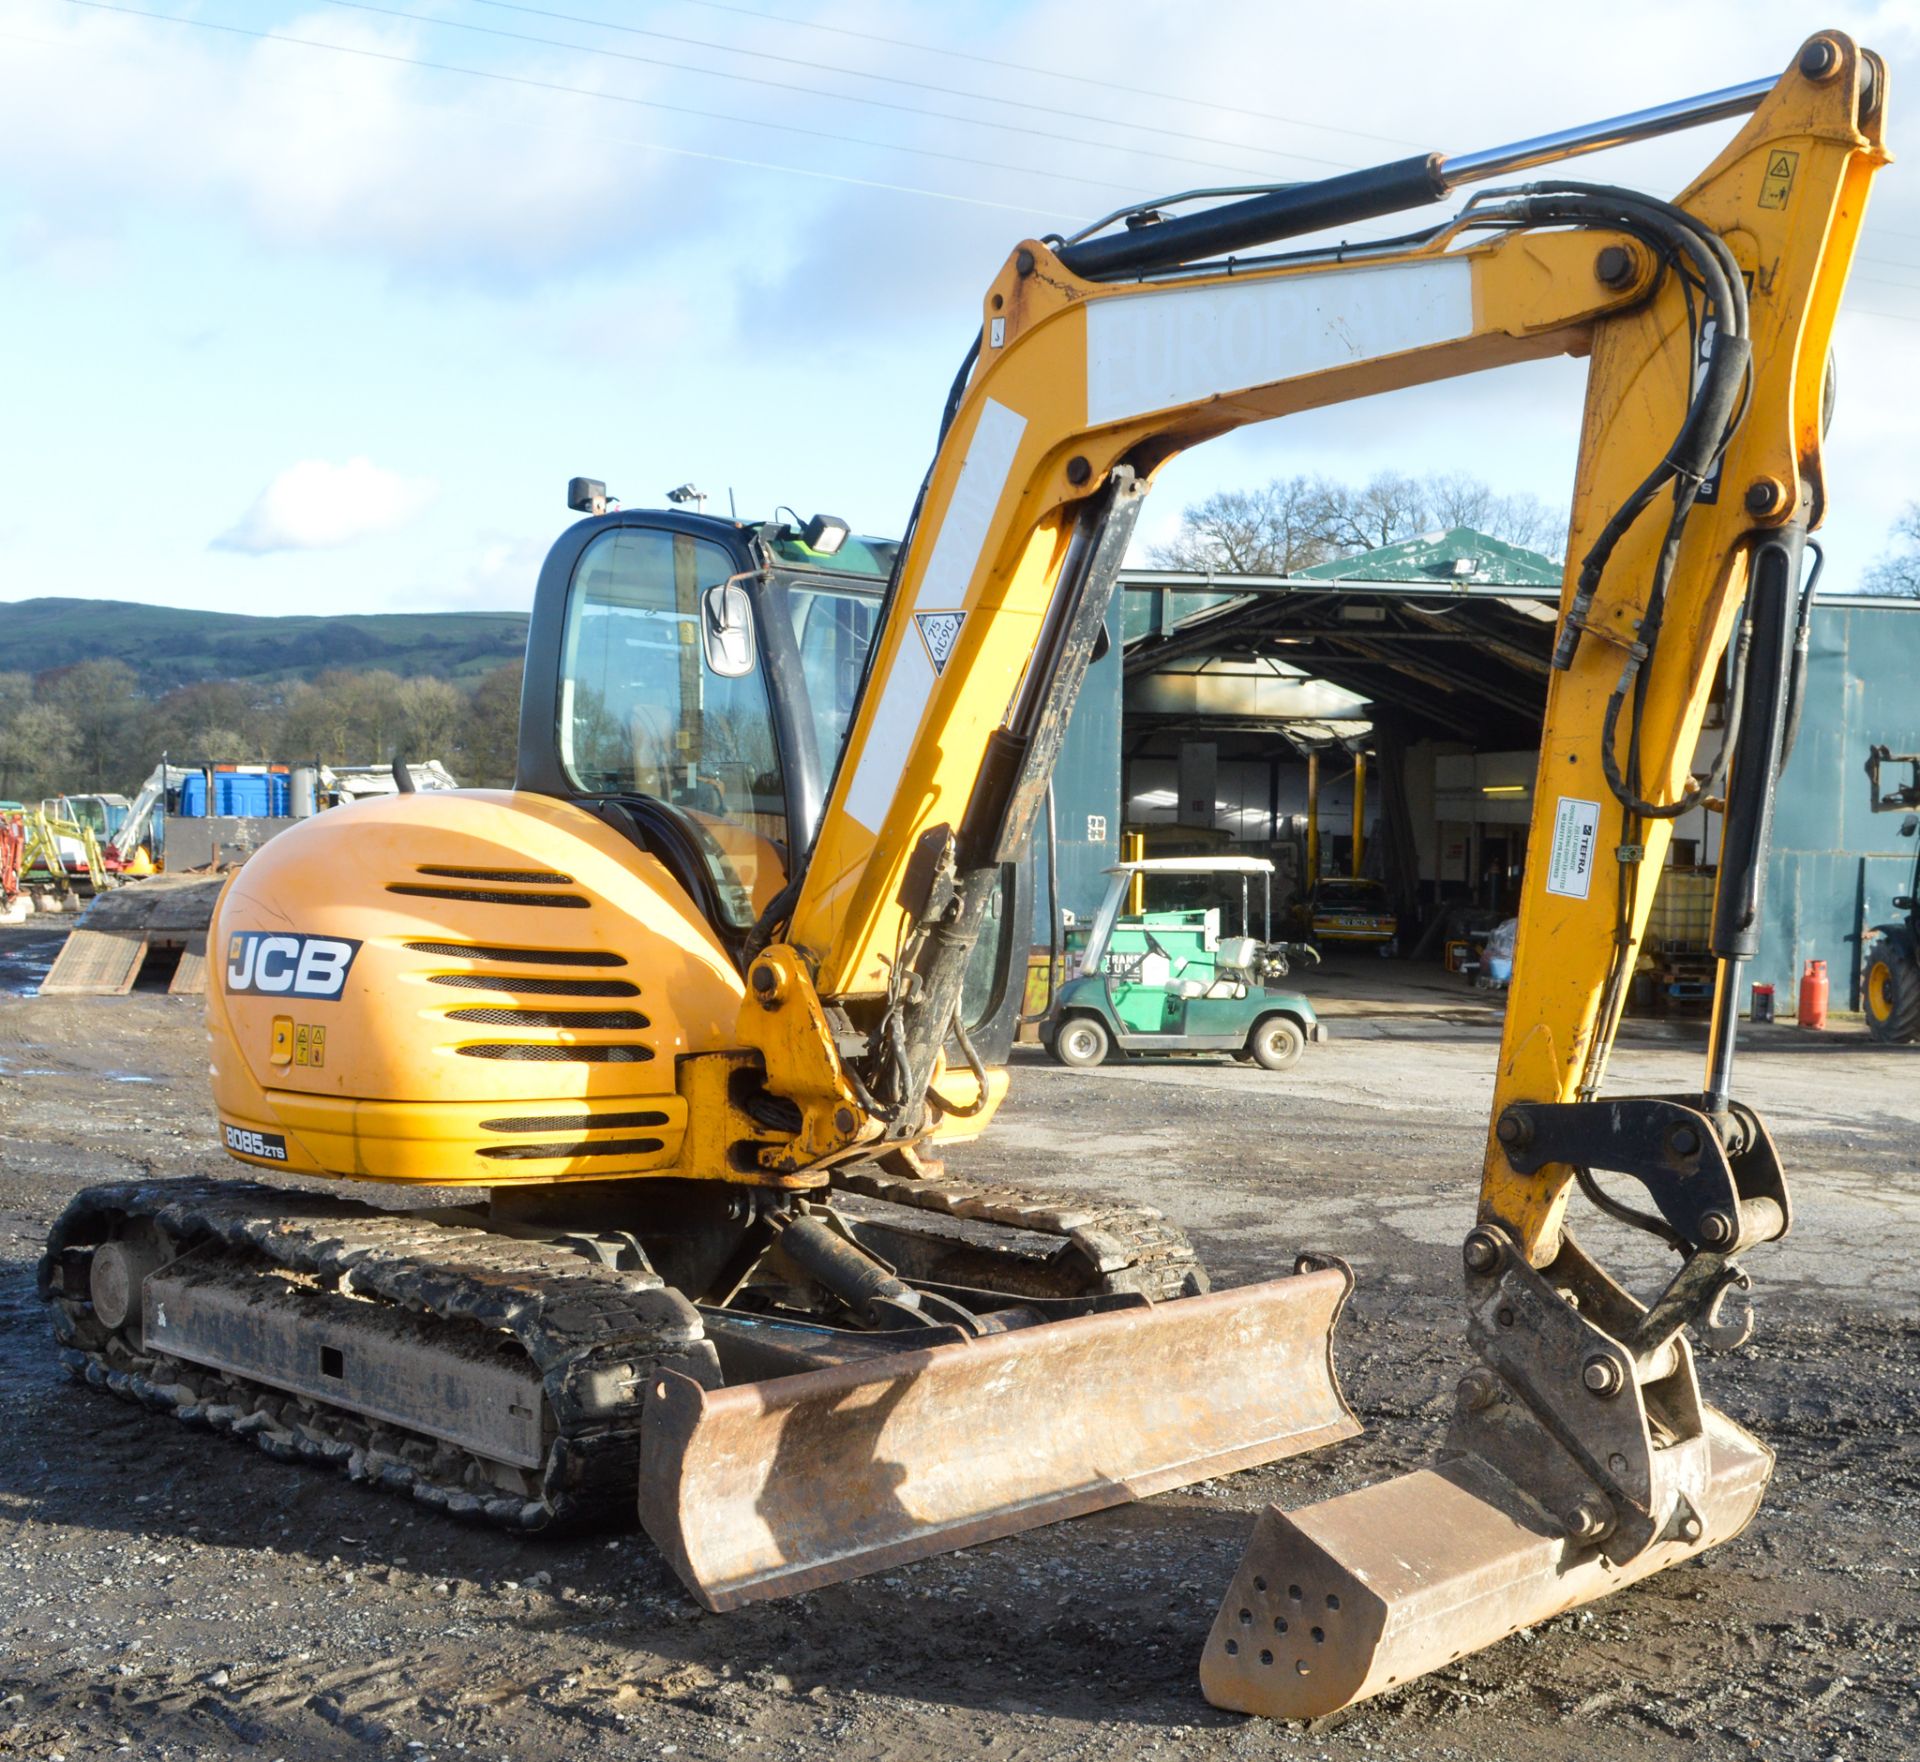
1813	995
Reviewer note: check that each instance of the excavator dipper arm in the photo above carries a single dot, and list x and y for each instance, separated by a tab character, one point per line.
1582	1456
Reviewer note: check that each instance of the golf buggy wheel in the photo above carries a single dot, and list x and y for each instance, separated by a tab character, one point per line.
1081	1042
1276	1043
1892	997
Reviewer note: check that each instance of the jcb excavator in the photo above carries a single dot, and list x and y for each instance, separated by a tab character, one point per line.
692	1009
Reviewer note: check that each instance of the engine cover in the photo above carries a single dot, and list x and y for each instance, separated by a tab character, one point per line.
469	987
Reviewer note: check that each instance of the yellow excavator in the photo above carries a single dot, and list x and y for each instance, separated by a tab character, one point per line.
694	1008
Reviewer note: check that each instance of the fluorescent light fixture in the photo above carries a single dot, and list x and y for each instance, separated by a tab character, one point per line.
1503	789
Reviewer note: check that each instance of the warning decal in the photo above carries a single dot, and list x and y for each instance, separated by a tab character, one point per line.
1777	184
1576	833
939	631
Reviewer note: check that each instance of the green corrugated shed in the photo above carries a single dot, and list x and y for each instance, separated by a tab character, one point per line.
1460	554
1836	865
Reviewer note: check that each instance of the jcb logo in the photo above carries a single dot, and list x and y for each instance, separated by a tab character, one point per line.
289	966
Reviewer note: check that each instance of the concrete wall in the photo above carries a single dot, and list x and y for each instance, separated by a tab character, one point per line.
1835	864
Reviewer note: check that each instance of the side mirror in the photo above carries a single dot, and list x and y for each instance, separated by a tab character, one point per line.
726	630
1910	825
586	495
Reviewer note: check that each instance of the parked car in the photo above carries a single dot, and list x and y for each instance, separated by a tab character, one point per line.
1342	910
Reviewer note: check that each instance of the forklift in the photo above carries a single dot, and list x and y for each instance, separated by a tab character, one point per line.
1890	990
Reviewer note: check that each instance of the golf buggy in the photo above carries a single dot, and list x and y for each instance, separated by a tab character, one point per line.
1168	980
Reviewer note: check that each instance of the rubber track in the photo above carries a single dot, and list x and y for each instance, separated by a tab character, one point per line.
1130	1247
583	1327
578	1322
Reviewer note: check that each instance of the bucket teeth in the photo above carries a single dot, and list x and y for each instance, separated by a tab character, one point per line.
768	1489
1359	1593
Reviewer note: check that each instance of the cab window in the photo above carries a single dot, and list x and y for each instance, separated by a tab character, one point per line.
834	630
642	712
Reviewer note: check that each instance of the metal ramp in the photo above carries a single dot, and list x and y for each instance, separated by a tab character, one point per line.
107	948
190	976
96	963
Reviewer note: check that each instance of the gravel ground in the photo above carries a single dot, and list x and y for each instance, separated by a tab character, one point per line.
172	1594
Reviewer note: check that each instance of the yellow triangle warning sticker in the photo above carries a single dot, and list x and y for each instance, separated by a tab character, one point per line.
1777	185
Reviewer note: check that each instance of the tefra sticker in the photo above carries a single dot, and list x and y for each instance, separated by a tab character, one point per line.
1576	834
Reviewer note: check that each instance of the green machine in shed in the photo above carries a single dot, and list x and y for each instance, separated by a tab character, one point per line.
1169	980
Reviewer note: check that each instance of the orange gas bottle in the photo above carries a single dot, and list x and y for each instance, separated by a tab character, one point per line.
1813	995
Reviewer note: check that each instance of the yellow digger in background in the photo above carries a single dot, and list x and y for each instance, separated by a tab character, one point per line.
692	1009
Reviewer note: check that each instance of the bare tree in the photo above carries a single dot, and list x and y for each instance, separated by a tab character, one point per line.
1899	573
1295	522
1272	531
1388	508
431	714
490	737
221	746
99	700
1454	499
36	747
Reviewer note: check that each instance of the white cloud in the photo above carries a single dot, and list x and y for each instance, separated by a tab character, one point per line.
497	575
327	135
319	506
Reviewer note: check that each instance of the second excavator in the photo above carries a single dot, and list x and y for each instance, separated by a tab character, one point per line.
694	1008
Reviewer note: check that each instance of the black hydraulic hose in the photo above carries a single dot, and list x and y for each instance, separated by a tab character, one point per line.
978	1069
1711	413
1627	1214
779	909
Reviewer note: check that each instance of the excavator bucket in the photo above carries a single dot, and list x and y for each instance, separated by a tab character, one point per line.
771	1488
1353	1595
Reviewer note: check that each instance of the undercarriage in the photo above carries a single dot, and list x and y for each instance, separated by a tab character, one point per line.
501	1364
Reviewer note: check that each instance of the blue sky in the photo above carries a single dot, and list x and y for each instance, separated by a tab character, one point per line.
292	329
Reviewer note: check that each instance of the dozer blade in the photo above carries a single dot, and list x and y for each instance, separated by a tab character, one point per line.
772	1488
1351	1596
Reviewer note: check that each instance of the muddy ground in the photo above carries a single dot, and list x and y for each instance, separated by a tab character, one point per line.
171	1594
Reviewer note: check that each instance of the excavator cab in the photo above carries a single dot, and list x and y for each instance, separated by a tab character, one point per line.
667	684
690	681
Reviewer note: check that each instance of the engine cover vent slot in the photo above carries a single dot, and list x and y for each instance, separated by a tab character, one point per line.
585	1147
486	896
552	957
501	1016
531	987
576	1122
544	877
558	1055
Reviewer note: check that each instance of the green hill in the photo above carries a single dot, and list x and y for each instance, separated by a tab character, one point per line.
168	646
